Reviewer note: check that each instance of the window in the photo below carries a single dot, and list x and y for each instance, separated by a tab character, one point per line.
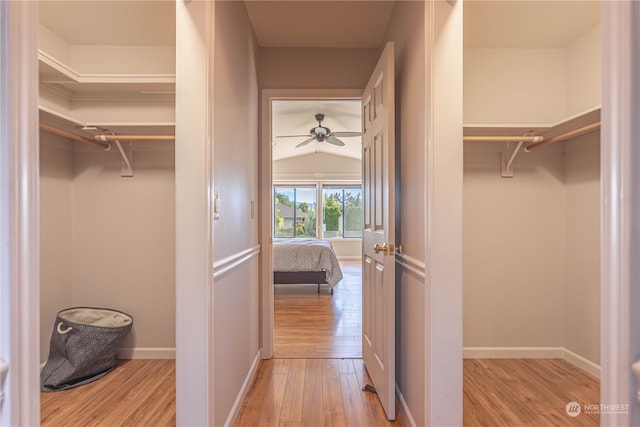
342	211
294	211
340	206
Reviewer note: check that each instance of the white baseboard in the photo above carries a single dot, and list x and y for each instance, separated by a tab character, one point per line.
512	353
532	353
147	353
237	404
404	408
581	362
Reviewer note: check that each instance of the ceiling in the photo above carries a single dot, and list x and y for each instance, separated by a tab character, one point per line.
297	117
499	24
540	24
340	24
114	22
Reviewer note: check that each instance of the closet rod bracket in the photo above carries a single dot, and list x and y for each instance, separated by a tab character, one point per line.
126	156
508	159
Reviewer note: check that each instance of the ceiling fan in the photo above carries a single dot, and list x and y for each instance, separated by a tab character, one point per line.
322	133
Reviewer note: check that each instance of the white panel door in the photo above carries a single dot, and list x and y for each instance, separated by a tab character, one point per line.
378	252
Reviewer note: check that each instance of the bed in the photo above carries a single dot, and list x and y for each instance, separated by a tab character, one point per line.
303	261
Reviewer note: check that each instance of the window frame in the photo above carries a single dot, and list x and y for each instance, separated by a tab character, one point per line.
319	186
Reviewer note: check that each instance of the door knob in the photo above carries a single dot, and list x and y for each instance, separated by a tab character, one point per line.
384	249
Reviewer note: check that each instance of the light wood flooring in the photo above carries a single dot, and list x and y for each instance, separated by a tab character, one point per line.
308	324
135	393
312	392
527	392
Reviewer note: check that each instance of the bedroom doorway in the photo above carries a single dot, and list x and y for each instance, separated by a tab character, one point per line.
315	194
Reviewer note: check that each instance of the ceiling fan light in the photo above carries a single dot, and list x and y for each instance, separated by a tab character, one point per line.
321	130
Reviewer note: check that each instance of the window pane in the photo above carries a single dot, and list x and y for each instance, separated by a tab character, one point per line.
283	212
353	212
305	212
332	212
298	222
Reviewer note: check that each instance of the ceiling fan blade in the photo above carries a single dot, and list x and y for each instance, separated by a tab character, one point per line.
335	141
305	142
346	134
292	136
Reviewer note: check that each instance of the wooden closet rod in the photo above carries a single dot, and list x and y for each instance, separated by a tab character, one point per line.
504	138
134	137
56	131
565	136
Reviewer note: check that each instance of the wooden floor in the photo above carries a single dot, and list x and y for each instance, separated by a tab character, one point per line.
308	324
527	392
305	392
312	392
135	393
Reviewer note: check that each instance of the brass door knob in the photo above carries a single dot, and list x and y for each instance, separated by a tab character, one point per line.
384	249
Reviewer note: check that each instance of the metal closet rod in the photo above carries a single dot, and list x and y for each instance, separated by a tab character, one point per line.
61	132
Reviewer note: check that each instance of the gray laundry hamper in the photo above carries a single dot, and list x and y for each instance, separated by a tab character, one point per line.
84	343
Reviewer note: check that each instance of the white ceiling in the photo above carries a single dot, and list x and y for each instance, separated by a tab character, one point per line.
540	24
115	22
341	24
498	24
297	117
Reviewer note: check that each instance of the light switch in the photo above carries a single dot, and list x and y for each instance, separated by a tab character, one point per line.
216	205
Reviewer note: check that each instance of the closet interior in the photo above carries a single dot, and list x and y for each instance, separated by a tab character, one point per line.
107	207
531	198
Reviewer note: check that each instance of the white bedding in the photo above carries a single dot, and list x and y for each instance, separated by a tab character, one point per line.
306	255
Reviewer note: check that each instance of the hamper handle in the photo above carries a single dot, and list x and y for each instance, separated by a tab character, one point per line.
63	331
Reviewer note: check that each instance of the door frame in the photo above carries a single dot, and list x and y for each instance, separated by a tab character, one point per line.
619	206
19	213
266	208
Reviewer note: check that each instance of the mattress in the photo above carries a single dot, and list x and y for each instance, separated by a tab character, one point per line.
306	255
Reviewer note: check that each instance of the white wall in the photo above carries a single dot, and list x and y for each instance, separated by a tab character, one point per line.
514	86
445	222
532	250
318	166
194	352
124	243
235	177
108	241
532	86
56	173
582	247
583	81
514	244
91	59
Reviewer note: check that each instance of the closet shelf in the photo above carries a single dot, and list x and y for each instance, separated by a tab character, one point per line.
563	131
60	79
106	136
535	136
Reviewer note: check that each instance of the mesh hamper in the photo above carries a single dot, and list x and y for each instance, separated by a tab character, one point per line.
84	343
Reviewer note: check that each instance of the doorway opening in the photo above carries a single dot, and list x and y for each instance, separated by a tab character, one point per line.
313	195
